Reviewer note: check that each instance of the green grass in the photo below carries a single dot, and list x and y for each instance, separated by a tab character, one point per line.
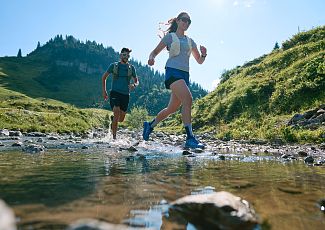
19	112
256	100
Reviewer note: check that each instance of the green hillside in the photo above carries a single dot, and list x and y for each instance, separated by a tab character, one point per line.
70	71
257	100
19	112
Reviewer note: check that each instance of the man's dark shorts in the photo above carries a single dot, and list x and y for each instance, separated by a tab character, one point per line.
119	100
172	75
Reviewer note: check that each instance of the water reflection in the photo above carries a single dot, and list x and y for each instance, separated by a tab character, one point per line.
58	187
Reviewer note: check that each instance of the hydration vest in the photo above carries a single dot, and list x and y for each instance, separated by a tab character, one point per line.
175	47
116	69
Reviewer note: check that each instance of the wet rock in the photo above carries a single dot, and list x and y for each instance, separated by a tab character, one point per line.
17	144
36	134
132	149
4	132
198	150
15	133
87	135
84	147
159	135
320	163
53	138
40	140
302	154
7	217
222	157
92	224
322	146
309	160
218	210
185	152
33	148
277	142
286	156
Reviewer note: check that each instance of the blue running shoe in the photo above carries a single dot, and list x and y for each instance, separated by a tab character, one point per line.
193	143
146	130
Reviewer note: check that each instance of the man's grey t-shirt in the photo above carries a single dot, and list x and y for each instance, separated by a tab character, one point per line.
180	61
121	83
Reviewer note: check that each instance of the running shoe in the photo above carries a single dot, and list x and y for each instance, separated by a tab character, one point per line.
193	143
146	130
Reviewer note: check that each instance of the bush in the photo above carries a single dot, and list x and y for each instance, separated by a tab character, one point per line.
136	118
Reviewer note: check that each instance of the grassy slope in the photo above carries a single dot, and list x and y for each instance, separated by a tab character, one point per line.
25	74
19	112
257	99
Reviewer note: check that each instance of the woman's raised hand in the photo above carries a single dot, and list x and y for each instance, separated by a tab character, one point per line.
203	50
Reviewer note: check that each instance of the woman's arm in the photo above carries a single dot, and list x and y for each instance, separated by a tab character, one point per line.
155	52
200	58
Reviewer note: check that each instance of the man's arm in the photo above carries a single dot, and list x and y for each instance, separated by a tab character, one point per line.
104	77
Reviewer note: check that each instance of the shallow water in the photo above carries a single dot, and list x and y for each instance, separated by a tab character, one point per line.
53	189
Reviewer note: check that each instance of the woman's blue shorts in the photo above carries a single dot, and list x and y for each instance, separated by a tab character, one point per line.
172	75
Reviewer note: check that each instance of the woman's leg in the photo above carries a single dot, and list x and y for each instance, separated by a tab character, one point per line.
173	105
183	94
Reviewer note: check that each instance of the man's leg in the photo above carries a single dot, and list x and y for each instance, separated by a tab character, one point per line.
116	111
122	116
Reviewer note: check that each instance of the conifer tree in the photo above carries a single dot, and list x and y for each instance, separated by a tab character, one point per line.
19	53
276	46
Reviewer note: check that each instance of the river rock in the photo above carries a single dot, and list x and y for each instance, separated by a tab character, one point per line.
7	217
302	154
218	210
309	160
4	132
15	133
33	148
185	152
36	134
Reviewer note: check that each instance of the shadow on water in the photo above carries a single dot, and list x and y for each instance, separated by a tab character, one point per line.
58	187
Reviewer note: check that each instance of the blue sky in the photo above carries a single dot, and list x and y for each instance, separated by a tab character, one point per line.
234	31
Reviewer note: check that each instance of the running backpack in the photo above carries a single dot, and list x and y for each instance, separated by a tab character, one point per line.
175	47
116	69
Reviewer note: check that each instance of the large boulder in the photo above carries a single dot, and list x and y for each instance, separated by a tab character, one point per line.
218	210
